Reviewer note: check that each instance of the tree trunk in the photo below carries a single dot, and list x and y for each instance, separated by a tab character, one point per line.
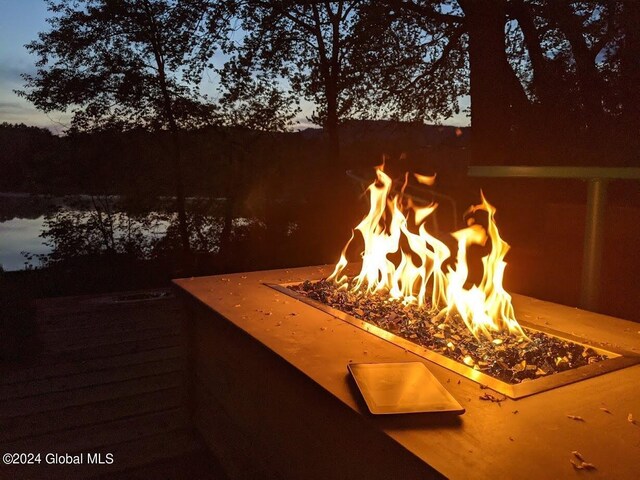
333	81
179	190
552	116
497	97
177	170
589	82
233	185
545	83
331	126
167	106
630	64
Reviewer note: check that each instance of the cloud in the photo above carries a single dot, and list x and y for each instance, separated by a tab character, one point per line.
11	107
20	111
10	75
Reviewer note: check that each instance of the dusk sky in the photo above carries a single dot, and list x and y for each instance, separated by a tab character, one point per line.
20	22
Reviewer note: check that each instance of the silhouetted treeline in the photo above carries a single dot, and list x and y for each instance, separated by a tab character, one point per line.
218	162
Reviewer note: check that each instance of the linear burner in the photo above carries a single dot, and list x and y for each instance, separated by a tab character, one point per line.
615	359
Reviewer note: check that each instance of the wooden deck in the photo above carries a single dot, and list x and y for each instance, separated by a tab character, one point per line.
110	378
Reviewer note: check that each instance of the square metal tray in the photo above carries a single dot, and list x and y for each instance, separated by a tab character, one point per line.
407	387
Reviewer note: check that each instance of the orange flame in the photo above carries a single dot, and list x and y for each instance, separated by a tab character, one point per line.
419	277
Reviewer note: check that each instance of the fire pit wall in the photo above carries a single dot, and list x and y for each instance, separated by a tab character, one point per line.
271	396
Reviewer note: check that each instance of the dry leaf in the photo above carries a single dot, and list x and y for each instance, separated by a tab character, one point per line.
577	418
582	465
606	410
576	465
492	398
578	455
630	419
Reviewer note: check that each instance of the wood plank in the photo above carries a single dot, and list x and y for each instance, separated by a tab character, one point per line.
48	307
77	416
111	325
81	396
16	373
78	313
122	348
198	465
127	455
69	320
160	447
89	437
98	315
79	301
111	380
69	342
73	382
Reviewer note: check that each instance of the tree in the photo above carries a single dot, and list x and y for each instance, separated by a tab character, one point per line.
415	59
539	72
580	79
462	45
308	45
122	64
21	151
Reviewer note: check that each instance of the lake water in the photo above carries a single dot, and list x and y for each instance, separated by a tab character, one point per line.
20	235
23	217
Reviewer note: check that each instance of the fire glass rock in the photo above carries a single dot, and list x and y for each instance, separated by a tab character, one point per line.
505	357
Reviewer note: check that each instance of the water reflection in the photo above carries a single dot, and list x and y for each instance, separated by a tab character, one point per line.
21	235
39	231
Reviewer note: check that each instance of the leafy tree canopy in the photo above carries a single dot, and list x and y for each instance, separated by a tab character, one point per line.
139	63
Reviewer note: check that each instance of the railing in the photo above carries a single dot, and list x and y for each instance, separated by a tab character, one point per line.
597	179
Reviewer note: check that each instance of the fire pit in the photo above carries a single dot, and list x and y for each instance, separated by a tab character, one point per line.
269	352
410	289
271	392
516	369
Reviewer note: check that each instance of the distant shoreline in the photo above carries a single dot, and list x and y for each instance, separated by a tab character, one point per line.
88	196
